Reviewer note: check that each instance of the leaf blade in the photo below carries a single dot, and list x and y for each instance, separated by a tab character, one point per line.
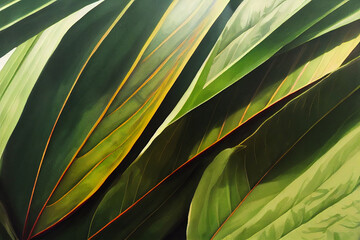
202	88
260	168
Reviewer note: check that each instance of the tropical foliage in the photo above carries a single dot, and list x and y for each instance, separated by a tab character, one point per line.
183	119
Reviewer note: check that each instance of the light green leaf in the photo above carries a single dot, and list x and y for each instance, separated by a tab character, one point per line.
347	13
305	171
255	33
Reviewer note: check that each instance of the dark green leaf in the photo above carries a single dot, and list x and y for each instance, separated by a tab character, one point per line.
70	88
21	20
22	70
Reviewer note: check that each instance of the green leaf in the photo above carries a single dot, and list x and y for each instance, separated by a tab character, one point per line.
180	144
255	33
22	20
22	70
305	172
94	98
88	109
65	75
347	13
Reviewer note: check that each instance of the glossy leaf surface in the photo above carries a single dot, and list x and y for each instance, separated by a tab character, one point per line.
79	155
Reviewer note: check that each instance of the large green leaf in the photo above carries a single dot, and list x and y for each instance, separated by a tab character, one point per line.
23	68
98	102
21	20
293	175
180	144
255	33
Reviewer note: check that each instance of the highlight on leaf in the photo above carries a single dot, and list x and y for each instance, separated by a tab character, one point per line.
182	119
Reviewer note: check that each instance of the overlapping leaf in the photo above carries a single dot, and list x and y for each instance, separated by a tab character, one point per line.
23	68
255	32
304	182
77	224
347	13
86	113
43	107
180	144
22	20
133	107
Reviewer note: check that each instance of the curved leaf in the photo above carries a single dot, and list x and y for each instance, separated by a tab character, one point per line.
306	165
